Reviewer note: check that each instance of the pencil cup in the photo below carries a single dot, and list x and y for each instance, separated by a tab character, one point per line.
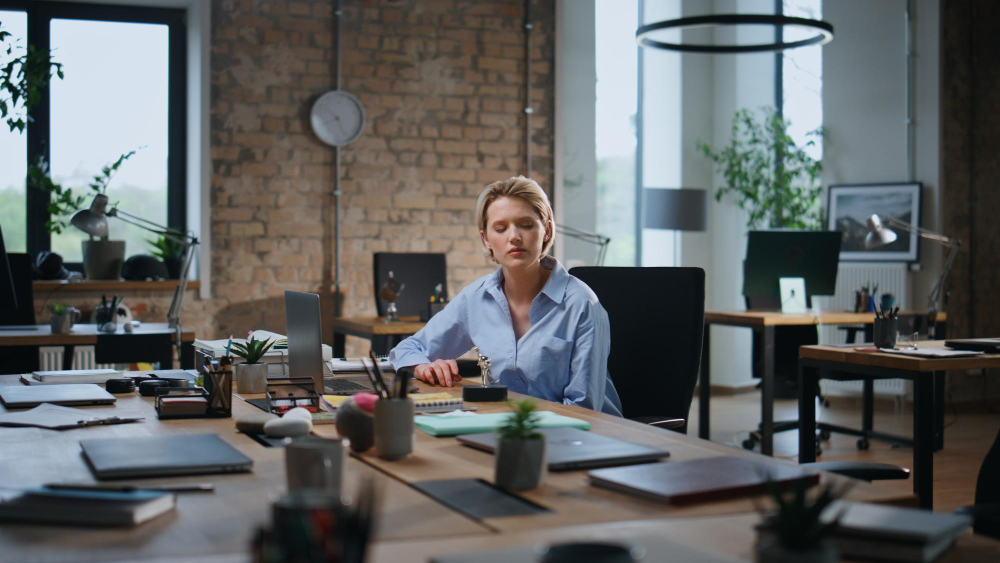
393	428
885	332
314	464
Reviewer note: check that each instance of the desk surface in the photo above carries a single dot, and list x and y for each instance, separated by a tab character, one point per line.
81	333
777	318
848	355
370	326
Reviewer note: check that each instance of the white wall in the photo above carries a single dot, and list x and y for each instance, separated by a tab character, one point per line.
576	129
865	109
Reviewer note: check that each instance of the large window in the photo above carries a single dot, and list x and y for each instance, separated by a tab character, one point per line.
801	100
124	89
13	149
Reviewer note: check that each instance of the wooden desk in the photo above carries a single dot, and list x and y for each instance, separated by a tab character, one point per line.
369	328
816	362
148	341
204	525
762	323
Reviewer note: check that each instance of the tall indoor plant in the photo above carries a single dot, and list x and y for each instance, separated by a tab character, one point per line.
776	181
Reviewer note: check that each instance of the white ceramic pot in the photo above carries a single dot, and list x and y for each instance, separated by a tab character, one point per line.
251	378
520	464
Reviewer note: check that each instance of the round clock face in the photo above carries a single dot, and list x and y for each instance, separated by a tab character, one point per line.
337	118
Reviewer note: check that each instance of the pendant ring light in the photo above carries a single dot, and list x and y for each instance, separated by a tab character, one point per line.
824	32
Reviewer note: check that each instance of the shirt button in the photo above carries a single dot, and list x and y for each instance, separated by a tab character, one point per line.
510	356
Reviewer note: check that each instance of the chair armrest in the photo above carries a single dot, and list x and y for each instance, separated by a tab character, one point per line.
660	422
978	511
862	470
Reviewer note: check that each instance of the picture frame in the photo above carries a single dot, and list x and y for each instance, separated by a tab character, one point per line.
850	205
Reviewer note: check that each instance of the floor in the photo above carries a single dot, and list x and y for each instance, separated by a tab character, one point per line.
970	431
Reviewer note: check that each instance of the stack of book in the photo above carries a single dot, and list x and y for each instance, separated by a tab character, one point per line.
43	505
276	358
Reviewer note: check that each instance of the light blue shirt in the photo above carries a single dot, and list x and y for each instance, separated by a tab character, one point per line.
563	357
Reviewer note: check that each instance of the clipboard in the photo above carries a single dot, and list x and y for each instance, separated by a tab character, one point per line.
55	417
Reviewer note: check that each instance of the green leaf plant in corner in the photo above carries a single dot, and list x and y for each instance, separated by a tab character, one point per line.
767	175
253	350
24	72
522	424
167	249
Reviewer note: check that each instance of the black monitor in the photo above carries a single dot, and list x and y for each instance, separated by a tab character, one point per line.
8	298
17	303
812	255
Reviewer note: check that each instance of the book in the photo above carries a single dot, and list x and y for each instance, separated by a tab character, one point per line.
453	424
76	376
422	402
277	354
85	507
700	480
889	533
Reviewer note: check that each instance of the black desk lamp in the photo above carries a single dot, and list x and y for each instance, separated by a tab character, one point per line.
680	209
94	222
879	234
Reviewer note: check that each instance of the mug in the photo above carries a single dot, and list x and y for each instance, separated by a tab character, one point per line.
315	463
393	428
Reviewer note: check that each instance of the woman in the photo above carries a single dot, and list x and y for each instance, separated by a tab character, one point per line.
544	330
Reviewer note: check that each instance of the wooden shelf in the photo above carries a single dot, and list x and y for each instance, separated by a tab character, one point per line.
110	285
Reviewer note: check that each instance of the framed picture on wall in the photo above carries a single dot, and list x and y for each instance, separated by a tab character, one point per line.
849	207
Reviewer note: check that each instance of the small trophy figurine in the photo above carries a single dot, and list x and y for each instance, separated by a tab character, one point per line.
390	291
484	392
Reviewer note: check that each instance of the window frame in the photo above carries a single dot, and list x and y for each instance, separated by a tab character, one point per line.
38	130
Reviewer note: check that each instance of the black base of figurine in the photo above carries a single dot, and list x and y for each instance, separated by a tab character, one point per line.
484	393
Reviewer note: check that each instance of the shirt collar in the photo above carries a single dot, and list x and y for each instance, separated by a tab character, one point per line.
554	288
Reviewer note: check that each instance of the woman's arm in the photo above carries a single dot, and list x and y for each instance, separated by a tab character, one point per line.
589	362
445	337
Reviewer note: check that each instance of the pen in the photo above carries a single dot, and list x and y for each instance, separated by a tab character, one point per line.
379	390
378	372
166	488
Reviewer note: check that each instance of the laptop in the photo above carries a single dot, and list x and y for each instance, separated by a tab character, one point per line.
987	345
70	395
571	448
305	346
154	456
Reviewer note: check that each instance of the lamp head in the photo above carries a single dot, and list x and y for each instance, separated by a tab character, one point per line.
878	234
93	221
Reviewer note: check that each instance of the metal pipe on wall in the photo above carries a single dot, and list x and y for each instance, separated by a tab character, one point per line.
908	41
337	13
528	110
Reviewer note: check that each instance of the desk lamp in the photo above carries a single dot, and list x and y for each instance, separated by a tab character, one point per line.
675	209
879	234
94	222
601	241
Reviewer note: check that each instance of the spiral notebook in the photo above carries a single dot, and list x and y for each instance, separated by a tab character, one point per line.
422	402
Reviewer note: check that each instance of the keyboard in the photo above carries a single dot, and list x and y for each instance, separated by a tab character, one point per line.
342	385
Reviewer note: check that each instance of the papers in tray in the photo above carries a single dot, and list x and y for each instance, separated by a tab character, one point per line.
277	354
468	423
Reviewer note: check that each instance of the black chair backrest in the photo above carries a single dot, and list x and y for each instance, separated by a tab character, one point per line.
419	272
657	318
21	273
988	491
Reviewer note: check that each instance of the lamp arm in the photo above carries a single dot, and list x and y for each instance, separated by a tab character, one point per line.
930	235
600	240
935	295
155	228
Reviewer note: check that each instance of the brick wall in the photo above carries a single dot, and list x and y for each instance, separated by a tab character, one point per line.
970	156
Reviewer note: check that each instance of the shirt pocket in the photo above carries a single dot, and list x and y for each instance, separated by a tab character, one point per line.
550	368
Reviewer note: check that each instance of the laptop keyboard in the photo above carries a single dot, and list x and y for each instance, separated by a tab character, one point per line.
340	385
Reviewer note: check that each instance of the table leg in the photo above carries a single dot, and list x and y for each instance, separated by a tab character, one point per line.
868	407
68	352
808	387
767	392
339	344
704	386
939	381
187	355
923	439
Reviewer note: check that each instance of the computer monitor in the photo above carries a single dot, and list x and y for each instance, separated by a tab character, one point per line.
305	336
8	297
812	255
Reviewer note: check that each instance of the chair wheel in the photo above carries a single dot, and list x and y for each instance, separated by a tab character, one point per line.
863	444
750	442
824	434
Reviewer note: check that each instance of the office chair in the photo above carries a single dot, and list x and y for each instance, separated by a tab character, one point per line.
986	510
419	273
657	317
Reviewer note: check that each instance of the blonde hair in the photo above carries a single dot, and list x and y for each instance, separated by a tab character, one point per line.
520	187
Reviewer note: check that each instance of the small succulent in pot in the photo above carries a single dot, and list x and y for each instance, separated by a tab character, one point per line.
253	350
520	455
251	377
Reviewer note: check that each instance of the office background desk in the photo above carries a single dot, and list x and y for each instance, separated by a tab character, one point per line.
374	329
148	342
927	375
763	324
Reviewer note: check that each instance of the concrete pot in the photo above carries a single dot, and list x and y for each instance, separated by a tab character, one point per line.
103	259
61	324
520	464
250	378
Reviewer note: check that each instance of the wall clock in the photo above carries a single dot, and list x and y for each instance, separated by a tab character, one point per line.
337	118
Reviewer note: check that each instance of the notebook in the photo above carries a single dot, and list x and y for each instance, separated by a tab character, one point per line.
453	424
988	345
874	531
76	376
90	508
151	456
570	448
700	480
70	394
422	402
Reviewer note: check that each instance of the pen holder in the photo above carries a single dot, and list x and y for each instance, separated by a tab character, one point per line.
885	332
393	428
106	319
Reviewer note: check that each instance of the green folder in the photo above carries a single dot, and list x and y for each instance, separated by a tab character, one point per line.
451	425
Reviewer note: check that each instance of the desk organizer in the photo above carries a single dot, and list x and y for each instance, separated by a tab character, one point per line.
166	411
285	393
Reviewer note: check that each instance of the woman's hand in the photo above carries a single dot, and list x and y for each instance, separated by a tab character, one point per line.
439	372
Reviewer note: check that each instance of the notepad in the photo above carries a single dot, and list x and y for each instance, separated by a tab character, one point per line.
467	423
90	508
421	402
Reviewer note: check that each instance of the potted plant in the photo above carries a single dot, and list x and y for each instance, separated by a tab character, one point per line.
768	175
251	377
62	317
520	455
171	253
796	530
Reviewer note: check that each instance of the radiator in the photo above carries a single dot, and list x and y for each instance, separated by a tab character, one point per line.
50	358
890	278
